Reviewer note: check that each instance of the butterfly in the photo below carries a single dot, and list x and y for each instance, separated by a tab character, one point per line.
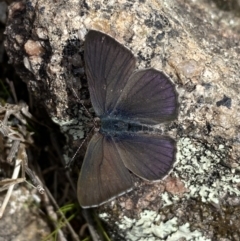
126	100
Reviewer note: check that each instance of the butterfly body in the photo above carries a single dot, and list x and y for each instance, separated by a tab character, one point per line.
110	126
128	103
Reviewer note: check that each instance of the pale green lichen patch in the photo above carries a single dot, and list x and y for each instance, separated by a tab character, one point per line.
150	227
201	167
184	232
75	130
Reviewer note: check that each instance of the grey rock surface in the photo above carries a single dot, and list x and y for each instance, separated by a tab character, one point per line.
194	42
21	220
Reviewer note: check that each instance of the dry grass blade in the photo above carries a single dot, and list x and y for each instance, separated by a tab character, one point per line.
11	186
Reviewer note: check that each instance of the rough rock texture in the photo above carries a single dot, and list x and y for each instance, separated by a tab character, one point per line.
197	44
22	220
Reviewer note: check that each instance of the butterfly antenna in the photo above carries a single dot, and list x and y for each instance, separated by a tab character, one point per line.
89	114
84	107
69	163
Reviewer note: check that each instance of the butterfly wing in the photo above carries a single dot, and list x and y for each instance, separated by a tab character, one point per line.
108	67
149	97
147	156
103	175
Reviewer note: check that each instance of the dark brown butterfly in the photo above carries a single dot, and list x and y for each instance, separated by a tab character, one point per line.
125	100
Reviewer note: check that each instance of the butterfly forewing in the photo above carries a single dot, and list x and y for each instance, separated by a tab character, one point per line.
108	68
147	156
149	97
103	174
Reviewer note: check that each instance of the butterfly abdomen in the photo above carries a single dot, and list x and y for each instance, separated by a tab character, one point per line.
112	126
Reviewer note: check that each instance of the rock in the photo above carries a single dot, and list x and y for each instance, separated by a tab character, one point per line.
195	43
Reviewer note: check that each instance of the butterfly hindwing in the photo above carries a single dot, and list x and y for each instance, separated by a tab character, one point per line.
149	97
150	157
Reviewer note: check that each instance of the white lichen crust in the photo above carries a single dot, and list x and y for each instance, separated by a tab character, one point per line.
150	227
202	170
